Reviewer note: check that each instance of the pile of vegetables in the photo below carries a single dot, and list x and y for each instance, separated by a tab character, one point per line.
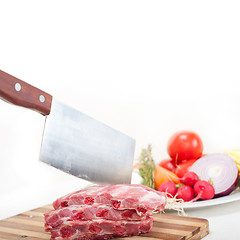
189	174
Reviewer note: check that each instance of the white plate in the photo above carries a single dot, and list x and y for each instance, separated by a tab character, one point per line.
234	196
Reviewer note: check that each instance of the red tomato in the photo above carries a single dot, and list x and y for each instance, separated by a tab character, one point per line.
168	164
183	167
185	145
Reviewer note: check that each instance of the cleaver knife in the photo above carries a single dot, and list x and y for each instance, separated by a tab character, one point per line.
72	141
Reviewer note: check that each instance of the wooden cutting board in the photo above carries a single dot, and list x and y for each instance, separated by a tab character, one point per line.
30	226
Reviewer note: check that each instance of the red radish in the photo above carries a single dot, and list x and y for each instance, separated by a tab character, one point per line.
204	190
185	193
220	169
169	188
189	178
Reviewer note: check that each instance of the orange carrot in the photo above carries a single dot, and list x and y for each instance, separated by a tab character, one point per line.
163	175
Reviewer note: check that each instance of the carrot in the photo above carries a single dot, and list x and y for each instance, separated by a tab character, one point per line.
163	175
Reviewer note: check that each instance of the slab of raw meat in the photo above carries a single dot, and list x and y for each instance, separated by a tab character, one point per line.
100	229
55	218
119	196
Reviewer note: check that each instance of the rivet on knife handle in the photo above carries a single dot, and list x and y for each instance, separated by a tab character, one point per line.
18	92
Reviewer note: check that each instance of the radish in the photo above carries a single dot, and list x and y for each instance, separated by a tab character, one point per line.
169	188
204	190
220	169
189	178
185	193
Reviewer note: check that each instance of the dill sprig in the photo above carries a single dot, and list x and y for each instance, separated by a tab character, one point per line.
147	167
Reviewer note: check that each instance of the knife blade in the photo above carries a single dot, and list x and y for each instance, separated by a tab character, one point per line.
73	141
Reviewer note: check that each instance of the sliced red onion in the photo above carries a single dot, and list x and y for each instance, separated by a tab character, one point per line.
220	169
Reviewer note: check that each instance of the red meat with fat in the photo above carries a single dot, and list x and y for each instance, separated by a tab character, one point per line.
55	218
100	229
119	196
103	212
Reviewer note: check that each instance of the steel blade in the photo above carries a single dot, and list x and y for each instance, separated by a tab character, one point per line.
86	148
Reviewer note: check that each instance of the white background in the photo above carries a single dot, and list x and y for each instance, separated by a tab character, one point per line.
146	68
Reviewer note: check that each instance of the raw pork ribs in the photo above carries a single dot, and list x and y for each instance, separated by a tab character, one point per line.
103	212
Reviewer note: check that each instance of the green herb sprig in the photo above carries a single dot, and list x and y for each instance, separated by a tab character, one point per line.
147	169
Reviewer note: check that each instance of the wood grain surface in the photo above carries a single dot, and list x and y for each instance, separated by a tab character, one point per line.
30	226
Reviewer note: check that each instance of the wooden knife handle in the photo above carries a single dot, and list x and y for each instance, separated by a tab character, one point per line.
18	92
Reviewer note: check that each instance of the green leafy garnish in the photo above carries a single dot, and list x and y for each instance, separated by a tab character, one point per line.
147	167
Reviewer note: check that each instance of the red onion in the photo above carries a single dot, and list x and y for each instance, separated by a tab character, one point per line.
220	170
